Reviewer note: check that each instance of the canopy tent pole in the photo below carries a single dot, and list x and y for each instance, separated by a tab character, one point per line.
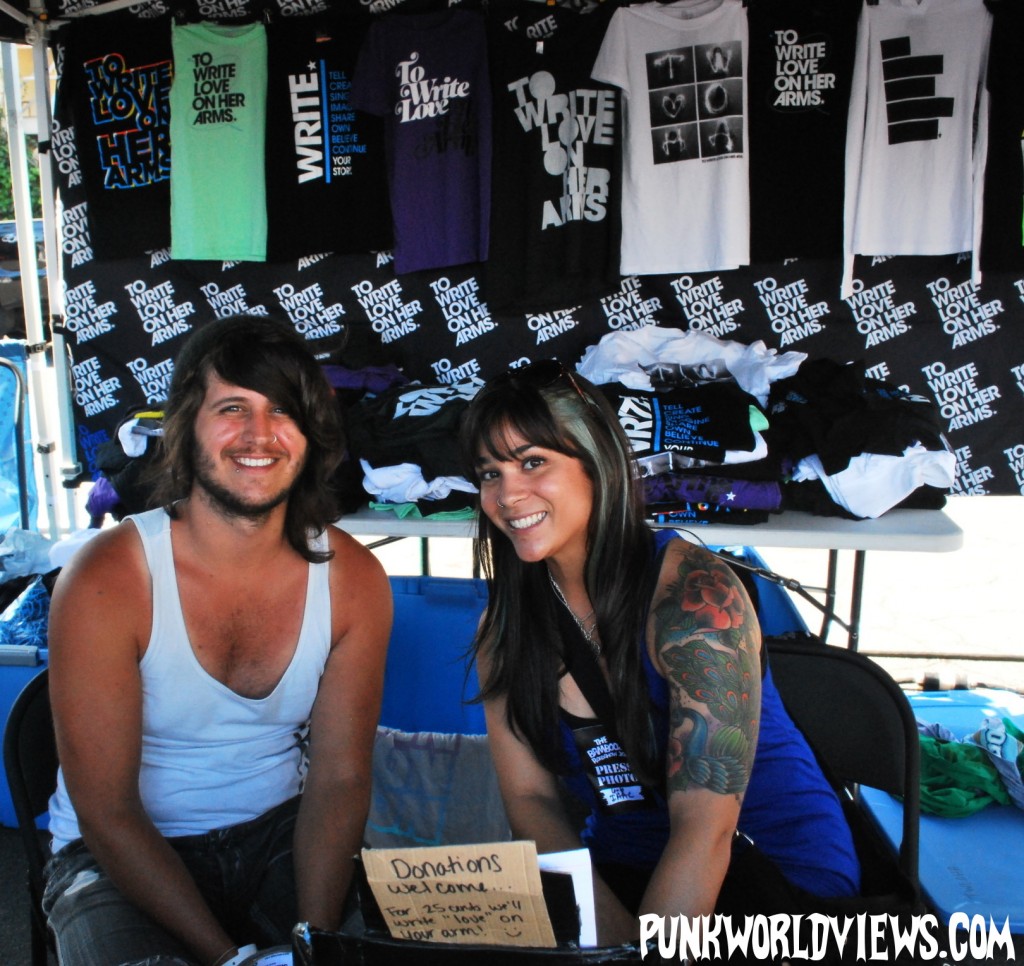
29	266
71	468
14	13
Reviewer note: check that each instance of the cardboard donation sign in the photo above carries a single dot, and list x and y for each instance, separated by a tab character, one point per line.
488	894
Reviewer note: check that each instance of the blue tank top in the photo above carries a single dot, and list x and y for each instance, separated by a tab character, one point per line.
789	810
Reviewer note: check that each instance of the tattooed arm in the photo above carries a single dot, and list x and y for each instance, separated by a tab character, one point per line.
704	639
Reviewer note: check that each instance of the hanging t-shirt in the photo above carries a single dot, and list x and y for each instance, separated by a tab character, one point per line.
685	193
800	68
1001	246
427	74
218	123
326	181
917	130
115	89
554	206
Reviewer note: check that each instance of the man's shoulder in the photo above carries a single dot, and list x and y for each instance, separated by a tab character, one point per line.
351	553
112	563
344	544
356	573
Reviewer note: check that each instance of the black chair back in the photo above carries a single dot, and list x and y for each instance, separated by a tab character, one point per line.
859	723
30	763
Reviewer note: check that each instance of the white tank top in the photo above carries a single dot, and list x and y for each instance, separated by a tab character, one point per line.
210	757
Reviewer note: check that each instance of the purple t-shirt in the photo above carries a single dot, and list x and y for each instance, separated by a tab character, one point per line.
427	74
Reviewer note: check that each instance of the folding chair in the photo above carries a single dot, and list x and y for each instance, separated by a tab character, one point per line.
30	762
862	729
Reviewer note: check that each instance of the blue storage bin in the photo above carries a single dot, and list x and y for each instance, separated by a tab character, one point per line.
16	670
425	684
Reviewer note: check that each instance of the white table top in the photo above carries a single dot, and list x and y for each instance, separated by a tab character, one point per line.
908	530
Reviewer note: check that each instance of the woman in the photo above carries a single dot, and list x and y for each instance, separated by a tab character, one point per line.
624	667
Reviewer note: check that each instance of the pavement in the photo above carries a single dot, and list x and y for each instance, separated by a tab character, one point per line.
950	616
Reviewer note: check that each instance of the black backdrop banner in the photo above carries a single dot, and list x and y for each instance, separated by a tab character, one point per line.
919	323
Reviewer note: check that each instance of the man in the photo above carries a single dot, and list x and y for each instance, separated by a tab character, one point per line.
210	660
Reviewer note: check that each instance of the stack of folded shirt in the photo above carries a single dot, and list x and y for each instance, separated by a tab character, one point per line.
351	384
700	450
654	356
406	441
860	446
693	406
123	485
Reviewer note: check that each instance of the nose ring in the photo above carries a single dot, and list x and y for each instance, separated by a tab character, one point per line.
273	438
502	505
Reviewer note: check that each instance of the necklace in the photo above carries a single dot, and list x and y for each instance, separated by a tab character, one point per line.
581	622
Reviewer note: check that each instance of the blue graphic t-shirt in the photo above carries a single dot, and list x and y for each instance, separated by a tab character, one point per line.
113	99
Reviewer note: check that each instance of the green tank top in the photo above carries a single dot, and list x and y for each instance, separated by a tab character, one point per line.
218	124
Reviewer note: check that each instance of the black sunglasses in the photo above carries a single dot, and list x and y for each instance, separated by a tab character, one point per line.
540	375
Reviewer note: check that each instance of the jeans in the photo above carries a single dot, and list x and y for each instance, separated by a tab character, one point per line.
244	872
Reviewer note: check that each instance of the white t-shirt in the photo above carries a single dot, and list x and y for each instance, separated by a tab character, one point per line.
685	192
917	130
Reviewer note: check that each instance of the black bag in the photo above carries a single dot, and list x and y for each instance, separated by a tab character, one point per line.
364	939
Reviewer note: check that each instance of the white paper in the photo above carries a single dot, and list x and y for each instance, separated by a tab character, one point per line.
577	863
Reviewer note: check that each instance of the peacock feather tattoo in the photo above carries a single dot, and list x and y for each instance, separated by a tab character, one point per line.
703	629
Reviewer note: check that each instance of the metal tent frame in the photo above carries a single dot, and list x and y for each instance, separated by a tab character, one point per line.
50	382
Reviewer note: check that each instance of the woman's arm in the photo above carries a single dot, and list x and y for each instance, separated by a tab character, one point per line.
535	812
705	640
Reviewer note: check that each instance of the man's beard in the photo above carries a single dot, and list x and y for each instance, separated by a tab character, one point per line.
225	502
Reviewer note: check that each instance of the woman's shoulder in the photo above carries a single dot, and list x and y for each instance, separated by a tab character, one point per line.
677	552
692	572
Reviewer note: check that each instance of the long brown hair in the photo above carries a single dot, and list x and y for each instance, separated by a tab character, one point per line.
269	357
562	411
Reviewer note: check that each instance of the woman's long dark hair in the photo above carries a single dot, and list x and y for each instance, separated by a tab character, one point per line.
266	356
519	630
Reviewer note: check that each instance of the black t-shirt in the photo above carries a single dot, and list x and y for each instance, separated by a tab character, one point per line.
702	421
554	240
836	412
326	174
415	424
115	85
1001	238
800	69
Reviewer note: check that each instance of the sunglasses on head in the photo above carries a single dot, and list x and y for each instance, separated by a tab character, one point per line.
540	375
